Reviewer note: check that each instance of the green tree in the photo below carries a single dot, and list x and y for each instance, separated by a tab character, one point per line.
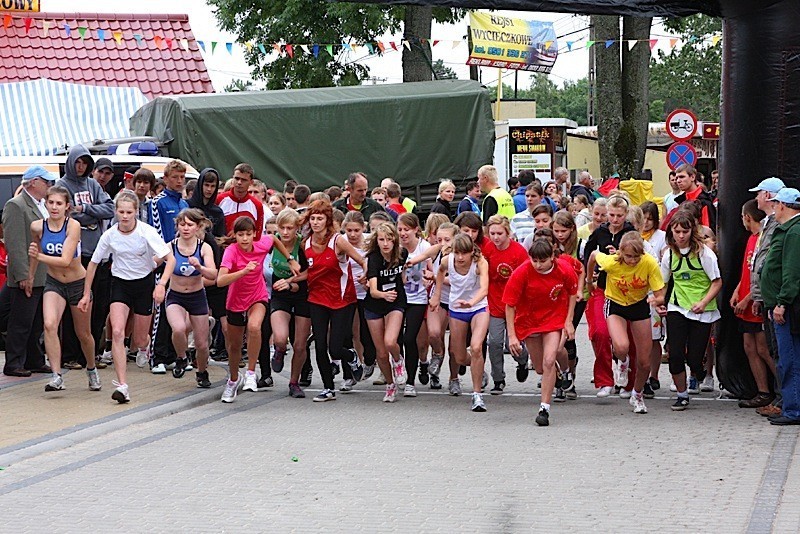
442	71
237	86
689	76
309	22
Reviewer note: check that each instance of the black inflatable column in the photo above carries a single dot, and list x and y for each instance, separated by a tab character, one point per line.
760	138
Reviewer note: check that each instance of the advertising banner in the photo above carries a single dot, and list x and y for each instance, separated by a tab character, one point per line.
31	6
508	43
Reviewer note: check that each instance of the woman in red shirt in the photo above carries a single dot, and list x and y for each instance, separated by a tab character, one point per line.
540	300
503	256
331	295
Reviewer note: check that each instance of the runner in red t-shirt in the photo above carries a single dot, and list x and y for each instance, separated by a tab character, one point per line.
750	325
503	256
238	202
540	300
331	295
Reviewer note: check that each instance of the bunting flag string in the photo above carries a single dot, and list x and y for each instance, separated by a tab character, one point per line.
378	47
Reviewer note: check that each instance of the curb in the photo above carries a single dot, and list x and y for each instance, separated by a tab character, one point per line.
68	437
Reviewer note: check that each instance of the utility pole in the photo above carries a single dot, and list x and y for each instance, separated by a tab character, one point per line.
590	104
473	69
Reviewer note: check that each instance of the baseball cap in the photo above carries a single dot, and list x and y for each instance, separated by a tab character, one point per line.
37	171
104	163
787	195
770	185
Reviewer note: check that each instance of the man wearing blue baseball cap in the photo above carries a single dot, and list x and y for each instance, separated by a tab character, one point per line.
780	289
765	191
23	293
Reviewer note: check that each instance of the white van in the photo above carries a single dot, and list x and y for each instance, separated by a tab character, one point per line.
12	168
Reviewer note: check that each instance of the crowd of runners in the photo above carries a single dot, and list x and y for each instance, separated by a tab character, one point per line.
229	270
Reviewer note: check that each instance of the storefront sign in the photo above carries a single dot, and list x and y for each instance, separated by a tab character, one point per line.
31	6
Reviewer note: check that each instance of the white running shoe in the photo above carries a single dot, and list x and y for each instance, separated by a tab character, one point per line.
409	391
621	374
121	394
380	380
707	385
624	394
94	380
605	391
638	404
159	369
106	358
347	385
142	357
250	383
231	389
399	372
56	384
673	388
391	393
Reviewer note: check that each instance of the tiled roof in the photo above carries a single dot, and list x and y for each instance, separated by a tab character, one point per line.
149	54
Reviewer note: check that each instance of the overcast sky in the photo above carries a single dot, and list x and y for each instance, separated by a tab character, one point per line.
224	67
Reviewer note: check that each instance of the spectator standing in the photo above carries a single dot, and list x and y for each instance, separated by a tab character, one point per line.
584	187
447	191
526	178
686	180
238	201
357	186
497	200
21	296
393	206
470	201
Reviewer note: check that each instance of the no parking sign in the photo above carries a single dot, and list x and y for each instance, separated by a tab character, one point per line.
680	153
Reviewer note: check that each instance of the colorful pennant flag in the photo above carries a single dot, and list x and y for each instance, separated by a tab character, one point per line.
316	50
715	40
67	30
370	48
393	45
346	47
456	43
45	27
589	44
435	42
101	35
213	47
202	45
569	46
28	22
305	49
329	48
6	21
609	42
672	43
185	44
290	51
262	49
381	46
117	36
653	43
406	44
82	31
229	46
631	43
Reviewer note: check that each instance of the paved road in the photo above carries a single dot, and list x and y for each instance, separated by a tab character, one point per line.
427	463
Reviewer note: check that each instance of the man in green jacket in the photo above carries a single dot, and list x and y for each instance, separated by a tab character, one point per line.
780	289
357	200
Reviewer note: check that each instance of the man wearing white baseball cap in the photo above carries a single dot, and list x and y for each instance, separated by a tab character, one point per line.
780	289
765	191
23	294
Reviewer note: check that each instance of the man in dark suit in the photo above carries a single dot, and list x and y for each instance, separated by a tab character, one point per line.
22	294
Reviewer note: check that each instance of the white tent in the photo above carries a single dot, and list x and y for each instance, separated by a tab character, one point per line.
39	117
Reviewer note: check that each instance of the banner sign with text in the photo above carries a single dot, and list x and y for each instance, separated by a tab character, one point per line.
509	43
31	6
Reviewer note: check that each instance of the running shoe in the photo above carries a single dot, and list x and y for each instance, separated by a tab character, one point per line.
681	404
462	370
56	384
423	373
325	395
498	388
142	358
707	385
355	366
566	380
761	399
335	367
435	384
265	382
399	371
543	419
250	382
560	396
673	388
409	391
436	364
604	391
539	383
380	380
484	380
477	403
120	394
231	389
391	393
180	367
648	390
621	373
455	387
694	386
277	360
305	377
522	372
202	379
159	369
105	358
347	385
625	394
94	380
295	392
637	401
369	370
655	384
191	362
571	394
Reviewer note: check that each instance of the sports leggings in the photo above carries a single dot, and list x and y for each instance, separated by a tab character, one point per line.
572	348
339	325
687	340
415	314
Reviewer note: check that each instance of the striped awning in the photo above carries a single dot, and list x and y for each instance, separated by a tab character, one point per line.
38	118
